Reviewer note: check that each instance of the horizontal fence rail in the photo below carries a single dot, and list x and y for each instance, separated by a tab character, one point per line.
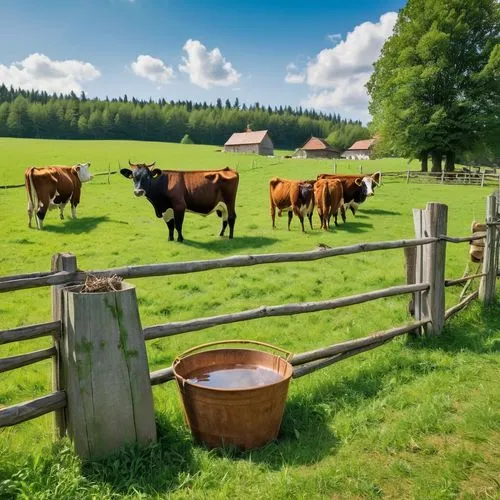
177	327
30	332
12	283
452	310
252	260
459	281
326	355
7	364
28	410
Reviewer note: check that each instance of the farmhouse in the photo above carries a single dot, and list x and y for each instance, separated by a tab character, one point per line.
257	142
360	150
317	148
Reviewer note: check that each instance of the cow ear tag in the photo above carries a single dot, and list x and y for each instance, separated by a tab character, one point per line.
156	172
358	182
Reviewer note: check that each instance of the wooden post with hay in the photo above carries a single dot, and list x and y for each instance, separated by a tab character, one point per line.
105	368
487	286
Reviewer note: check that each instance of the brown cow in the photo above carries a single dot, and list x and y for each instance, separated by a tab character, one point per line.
48	187
172	192
329	198
356	188
292	197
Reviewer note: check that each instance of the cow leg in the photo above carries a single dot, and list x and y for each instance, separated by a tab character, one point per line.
290	217
73	212
231	220
273	215
342	213
168	217
310	217
171	227
61	210
178	220
30	212
224	225
301	218
40	215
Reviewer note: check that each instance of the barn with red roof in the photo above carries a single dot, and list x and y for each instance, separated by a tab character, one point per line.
317	148
360	150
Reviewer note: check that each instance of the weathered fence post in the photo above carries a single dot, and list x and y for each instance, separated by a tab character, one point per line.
60	262
487	286
110	401
430	266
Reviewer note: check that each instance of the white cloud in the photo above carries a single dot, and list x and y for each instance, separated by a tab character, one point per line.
153	69
37	71
293	75
337	76
207	68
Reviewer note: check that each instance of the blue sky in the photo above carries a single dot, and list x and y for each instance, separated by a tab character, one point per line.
315	54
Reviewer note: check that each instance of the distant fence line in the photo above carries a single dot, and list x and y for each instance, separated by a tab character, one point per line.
425	281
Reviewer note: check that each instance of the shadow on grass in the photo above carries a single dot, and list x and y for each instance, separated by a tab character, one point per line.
379	211
353	226
475	330
225	245
76	226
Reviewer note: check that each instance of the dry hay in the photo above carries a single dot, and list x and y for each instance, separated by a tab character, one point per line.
98	284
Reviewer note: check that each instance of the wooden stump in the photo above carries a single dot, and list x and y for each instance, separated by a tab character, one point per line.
106	372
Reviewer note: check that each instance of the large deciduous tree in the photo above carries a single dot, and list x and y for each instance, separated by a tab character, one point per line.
436	86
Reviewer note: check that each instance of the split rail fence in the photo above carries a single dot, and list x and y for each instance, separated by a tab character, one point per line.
425	283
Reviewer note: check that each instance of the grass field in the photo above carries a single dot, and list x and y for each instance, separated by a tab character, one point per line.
415	418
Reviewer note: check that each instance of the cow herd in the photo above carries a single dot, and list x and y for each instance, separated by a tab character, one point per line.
329	192
173	192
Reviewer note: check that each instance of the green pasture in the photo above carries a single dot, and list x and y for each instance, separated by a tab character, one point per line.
415	418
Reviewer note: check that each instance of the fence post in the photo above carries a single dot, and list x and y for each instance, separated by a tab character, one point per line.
487	291
408	177
60	262
430	266
335	167
435	222
482	179
110	402
361	169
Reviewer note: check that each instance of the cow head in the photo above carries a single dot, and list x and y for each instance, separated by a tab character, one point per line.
306	193
142	176
82	170
368	183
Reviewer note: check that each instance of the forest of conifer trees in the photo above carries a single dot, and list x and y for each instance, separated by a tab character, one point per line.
38	114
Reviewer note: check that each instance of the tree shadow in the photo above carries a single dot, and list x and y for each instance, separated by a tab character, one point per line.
76	226
479	334
380	211
225	245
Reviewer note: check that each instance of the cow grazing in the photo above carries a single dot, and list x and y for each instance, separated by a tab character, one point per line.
172	192
356	188
329	199
294	197
48	187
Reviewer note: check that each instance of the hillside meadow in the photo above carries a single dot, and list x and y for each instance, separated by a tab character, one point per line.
415	418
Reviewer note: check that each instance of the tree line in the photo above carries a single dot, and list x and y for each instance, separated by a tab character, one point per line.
37	114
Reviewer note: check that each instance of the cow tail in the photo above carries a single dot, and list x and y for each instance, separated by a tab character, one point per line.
32	197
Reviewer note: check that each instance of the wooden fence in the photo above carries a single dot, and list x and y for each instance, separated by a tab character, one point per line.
425	282
458	177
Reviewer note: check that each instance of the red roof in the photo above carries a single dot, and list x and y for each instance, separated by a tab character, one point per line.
364	144
240	138
315	144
